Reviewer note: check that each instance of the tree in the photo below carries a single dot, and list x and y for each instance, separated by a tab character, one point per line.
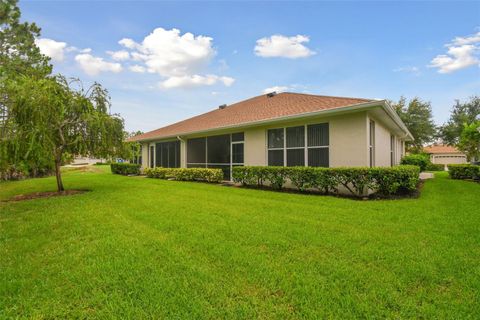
53	119
417	116
19	56
470	140
462	113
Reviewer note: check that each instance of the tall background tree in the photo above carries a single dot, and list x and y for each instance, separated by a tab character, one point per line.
417	116
462	114
470	141
45	117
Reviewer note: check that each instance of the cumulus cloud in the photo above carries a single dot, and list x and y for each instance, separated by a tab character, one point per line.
94	65
462	52
277	89
282	46
136	68
179	58
51	48
194	81
120	55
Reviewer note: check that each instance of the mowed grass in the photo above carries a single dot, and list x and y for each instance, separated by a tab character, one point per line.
145	248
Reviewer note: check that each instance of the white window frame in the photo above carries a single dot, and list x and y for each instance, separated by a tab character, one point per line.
305	147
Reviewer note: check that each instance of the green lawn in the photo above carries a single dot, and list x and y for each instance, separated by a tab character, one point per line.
146	248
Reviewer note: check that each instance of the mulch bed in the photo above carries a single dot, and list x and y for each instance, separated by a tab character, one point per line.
47	194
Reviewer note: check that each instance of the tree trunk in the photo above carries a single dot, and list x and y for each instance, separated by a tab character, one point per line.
58	174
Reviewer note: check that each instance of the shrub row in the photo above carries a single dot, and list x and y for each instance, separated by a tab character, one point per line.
435	167
358	180
185	174
125	168
464	171
421	160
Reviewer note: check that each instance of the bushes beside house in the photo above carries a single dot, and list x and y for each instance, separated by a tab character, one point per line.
357	181
420	160
435	167
464	171
186	174
125	168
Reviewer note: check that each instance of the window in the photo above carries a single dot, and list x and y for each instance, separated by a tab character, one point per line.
167	154
392	150
318	145
152	156
299	146
371	147
220	152
276	147
295	146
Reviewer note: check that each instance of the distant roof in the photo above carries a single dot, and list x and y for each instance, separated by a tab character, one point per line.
260	108
441	148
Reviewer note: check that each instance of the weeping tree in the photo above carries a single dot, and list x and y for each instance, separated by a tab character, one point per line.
54	117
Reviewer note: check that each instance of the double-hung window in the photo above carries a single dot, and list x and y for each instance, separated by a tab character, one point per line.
299	146
392	150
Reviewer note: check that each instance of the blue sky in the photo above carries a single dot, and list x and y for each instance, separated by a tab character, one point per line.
223	52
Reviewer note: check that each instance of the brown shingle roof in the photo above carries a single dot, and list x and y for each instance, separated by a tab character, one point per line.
441	149
259	108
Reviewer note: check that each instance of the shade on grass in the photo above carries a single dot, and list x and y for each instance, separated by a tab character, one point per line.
147	248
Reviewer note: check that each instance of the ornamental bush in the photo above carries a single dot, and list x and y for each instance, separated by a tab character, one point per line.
420	160
435	167
357	180
186	174
464	171
125	168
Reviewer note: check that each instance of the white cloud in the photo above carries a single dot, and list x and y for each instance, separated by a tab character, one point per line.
120	55
277	89
194	81
138	69
169	53
282	46
75	49
178	58
462	52
51	48
94	65
408	69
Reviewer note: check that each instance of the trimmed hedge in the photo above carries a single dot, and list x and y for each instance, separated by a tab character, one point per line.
464	171
420	160
358	180
125	168
435	167
186	174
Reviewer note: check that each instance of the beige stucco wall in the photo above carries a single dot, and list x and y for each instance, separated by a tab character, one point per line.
145	157
255	153
347	134
382	144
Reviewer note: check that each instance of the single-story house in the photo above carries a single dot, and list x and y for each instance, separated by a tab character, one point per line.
284	129
443	154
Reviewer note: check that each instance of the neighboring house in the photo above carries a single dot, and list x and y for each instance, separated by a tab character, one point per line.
443	154
285	129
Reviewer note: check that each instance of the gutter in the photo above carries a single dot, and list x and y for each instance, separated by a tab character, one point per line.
354	107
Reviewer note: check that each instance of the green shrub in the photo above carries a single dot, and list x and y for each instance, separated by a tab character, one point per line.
464	171
186	174
358	181
435	167
420	160
125	168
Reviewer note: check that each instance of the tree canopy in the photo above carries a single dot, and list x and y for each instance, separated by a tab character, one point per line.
462	113
470	140
417	116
